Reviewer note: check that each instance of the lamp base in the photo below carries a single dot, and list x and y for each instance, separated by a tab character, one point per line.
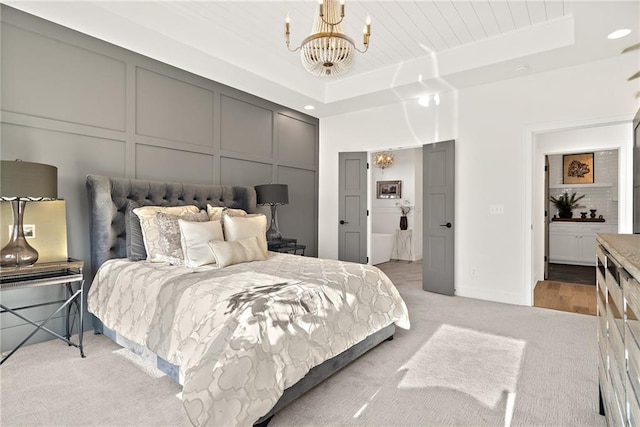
273	233
18	253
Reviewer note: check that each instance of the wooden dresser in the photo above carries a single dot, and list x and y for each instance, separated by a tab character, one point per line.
618	282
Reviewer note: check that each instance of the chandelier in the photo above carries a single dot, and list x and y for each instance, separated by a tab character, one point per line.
383	159
327	51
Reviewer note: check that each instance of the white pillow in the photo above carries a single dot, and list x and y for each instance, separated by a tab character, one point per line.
150	232
195	237
241	227
242	250
215	212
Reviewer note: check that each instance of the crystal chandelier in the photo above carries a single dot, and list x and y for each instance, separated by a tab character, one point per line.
327	51
383	159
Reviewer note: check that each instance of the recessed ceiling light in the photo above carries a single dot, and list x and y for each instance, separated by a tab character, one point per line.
617	34
309	107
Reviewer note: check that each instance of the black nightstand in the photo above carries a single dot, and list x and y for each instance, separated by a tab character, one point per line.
285	245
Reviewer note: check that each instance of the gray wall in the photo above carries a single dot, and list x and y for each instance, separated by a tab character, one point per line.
86	106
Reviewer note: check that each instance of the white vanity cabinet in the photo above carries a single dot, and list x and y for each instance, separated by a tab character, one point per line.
575	242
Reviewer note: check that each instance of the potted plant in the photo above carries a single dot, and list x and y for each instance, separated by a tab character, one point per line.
565	204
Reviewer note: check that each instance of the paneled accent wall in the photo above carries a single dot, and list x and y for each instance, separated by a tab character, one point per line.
86	106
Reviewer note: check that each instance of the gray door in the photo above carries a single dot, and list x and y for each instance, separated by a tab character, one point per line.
352	207
438	176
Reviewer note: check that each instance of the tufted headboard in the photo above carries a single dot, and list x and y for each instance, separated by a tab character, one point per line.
109	196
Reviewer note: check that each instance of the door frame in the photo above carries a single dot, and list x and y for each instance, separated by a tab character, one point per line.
533	230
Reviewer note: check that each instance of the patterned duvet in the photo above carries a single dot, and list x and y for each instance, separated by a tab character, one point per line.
243	334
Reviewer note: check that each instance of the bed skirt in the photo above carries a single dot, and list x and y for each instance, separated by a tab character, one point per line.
314	377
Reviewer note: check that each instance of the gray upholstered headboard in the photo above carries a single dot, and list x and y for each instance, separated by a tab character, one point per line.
109	197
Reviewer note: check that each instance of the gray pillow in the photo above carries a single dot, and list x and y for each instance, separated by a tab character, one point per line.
134	240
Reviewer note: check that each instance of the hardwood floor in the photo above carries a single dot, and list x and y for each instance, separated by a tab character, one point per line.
583	274
401	272
556	295
571	297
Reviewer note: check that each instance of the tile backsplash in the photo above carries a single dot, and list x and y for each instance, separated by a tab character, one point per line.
602	195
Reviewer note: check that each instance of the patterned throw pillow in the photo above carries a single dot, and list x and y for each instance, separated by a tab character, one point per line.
195	237
241	227
150	232
169	246
242	250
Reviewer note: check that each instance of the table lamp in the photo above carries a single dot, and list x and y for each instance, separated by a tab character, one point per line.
273	195
22	182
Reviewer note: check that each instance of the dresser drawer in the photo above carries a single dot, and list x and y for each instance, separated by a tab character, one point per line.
602	320
632	327
618	397
615	313
615	344
634	407
633	369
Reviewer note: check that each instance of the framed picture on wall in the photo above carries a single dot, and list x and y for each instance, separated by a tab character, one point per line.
577	168
389	189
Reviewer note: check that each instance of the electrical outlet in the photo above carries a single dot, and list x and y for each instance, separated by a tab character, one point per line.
496	209
473	271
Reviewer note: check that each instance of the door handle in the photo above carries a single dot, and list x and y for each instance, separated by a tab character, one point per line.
448	225
342	222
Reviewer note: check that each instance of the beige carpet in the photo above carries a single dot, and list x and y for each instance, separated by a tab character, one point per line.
465	362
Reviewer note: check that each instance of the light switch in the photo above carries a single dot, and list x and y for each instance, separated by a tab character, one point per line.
496	209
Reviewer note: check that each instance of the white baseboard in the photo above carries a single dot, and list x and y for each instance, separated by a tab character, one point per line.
491	295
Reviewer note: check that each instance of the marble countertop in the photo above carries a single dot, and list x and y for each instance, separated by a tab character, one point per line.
626	250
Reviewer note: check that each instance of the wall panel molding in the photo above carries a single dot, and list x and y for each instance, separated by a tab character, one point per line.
44	77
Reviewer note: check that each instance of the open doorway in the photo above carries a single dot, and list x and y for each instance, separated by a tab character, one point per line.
572	233
430	172
396	207
568	283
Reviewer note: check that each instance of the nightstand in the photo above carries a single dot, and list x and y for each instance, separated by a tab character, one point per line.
286	245
67	273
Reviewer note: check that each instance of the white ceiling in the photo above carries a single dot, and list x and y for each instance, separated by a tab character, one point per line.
417	47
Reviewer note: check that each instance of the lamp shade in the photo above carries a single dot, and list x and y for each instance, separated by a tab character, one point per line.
272	194
28	181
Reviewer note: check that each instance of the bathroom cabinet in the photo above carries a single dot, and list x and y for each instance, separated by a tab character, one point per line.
575	242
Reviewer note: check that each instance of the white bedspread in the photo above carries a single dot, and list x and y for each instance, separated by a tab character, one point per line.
243	334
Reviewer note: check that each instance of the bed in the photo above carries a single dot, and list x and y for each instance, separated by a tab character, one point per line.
245	339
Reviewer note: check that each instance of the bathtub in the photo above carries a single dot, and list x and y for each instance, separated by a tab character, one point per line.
381	246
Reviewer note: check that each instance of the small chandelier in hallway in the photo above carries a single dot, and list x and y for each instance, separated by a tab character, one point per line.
383	159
